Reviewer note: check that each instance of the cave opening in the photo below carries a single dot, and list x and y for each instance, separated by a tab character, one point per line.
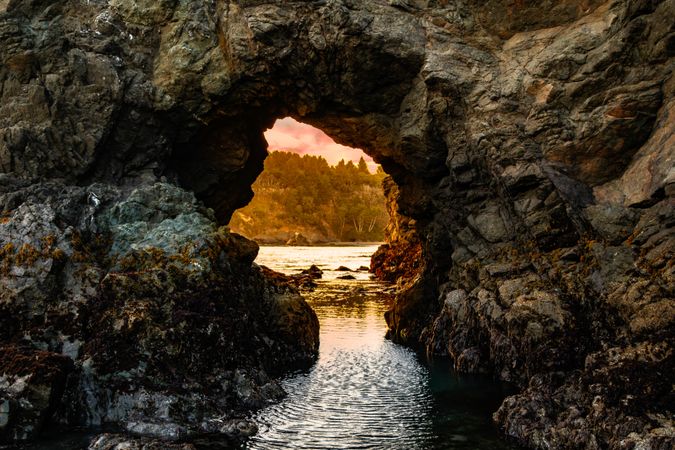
313	191
323	201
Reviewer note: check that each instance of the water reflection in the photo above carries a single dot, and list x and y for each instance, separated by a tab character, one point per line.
366	392
363	391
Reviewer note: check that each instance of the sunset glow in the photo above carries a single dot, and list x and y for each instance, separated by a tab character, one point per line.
292	136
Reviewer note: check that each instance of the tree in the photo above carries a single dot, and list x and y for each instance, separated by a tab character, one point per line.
363	167
304	194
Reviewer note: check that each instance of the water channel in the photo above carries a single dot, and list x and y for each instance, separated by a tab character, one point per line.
365	392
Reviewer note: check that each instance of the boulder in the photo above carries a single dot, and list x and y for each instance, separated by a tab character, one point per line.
314	272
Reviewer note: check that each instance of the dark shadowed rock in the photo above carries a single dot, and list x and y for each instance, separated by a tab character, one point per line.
346	277
115	442
32	383
313	272
167	322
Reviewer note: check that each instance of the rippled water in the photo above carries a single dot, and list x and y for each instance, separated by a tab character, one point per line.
365	391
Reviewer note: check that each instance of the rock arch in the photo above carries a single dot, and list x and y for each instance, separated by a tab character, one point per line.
532	154
322	66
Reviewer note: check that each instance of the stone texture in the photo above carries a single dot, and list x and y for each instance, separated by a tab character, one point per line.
171	329
115	442
31	385
529	144
400	258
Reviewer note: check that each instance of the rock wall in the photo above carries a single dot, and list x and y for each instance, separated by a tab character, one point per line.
134	308
399	260
530	142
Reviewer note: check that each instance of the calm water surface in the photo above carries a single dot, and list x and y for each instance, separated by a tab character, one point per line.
364	391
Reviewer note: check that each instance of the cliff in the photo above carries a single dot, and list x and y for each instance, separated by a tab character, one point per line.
531	145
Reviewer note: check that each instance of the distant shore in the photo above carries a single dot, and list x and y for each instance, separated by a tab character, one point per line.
319	244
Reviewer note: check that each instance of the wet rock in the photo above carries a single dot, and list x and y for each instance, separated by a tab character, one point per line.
32	383
303	281
314	272
152	291
343	269
618	386
346	277
116	441
400	259
397	262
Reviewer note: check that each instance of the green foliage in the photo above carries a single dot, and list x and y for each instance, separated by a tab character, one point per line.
304	194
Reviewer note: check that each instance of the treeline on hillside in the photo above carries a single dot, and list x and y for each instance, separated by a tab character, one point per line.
303	194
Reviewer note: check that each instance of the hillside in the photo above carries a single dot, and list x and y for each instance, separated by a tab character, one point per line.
303	194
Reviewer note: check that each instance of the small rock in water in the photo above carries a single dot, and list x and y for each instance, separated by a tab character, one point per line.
237	428
343	269
313	272
364	269
346	277
304	281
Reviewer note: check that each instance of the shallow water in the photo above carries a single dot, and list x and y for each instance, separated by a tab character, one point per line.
364	391
291	260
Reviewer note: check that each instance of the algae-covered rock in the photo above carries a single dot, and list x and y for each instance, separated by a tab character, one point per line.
32	383
160	315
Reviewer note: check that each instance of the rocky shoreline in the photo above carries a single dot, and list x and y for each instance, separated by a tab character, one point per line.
530	148
165	329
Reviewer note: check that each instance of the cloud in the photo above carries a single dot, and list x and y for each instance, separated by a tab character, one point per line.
290	135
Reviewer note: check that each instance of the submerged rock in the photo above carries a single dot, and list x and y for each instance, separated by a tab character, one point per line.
346	277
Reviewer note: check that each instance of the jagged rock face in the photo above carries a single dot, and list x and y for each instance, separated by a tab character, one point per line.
400	258
31	385
170	329
531	144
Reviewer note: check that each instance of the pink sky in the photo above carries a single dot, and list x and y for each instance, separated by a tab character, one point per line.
290	135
